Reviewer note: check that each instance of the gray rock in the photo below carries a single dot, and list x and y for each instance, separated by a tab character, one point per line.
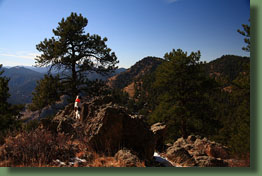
126	156
197	151
181	156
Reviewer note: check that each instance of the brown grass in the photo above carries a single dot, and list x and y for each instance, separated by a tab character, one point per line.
36	148
40	148
103	161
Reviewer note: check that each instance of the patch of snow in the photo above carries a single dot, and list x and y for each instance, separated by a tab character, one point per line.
163	160
60	162
79	160
71	163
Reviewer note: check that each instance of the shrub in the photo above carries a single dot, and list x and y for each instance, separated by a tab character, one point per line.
37	148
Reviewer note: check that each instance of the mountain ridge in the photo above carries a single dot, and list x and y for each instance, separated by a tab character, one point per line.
23	81
227	65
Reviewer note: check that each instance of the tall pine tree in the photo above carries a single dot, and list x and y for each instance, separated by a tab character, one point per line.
184	103
75	52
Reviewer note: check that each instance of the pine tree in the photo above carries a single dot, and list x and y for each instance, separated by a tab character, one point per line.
4	94
4	105
8	112
48	90
246	33
75	52
236	124
184	104
240	139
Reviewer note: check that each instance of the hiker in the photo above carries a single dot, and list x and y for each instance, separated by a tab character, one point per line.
77	106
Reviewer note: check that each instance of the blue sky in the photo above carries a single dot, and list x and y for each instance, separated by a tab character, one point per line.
134	28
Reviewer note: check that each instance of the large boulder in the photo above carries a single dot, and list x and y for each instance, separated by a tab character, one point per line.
112	128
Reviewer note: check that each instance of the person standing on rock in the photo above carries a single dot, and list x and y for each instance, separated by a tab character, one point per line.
77	107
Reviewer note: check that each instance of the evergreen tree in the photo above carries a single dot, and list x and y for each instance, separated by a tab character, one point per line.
235	115
246	33
146	95
184	103
4	94
240	138
74	52
4	105
48	90
8	112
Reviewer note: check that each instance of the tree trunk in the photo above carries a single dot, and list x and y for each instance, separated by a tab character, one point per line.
74	80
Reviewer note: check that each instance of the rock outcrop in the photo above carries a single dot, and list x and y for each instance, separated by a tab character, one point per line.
128	158
107	128
195	151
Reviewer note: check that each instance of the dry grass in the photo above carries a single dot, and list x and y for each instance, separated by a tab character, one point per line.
40	148
36	148
103	161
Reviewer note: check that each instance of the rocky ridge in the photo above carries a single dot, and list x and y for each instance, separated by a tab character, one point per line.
124	139
108	129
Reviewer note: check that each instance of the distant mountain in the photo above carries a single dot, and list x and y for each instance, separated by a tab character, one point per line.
43	70
22	83
90	75
126	79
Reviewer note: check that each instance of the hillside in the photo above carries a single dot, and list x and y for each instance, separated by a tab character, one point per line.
22	83
227	65
126	79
